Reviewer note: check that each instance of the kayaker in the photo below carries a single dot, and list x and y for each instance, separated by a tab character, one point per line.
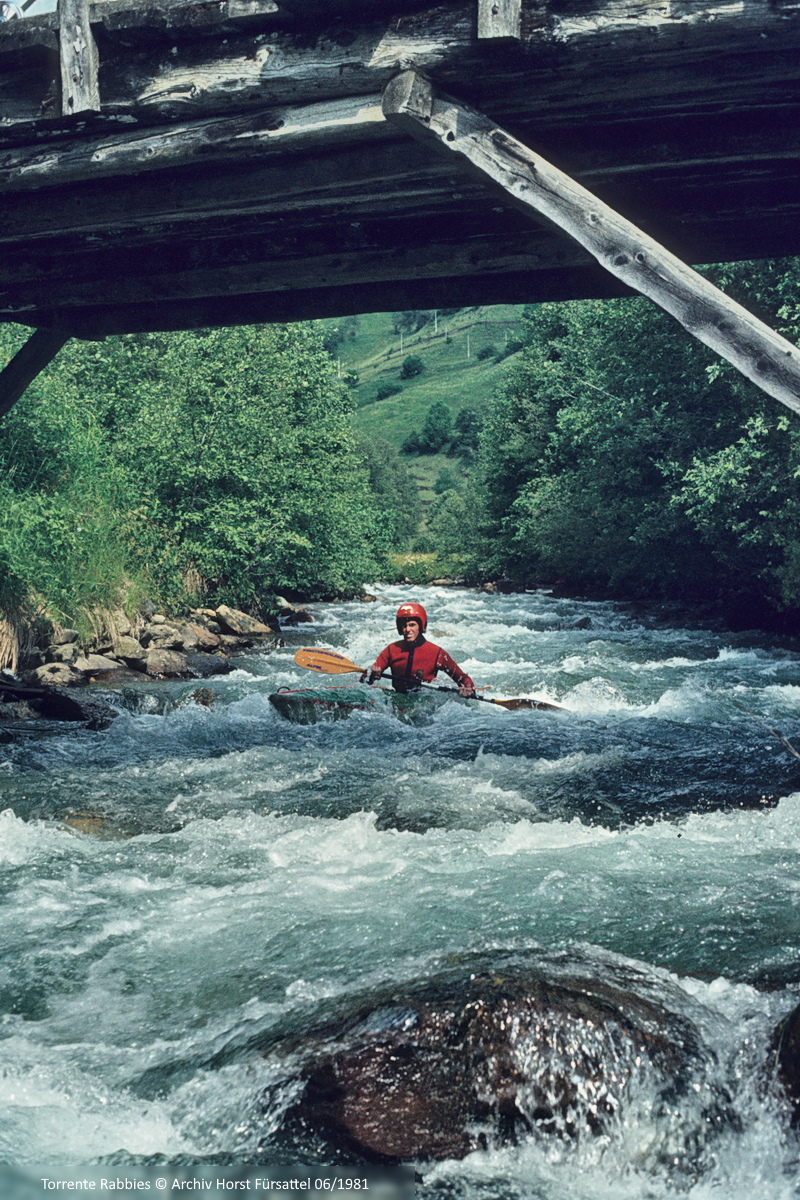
414	660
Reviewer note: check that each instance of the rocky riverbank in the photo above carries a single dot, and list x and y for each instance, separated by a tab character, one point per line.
155	645
152	644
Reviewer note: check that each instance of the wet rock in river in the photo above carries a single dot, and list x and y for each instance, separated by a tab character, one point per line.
167	664
787	1056
200	666
455	1067
55	705
298	616
55	674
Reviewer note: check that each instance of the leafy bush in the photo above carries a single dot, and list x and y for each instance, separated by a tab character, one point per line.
621	453
437	430
445	480
413	365
486	352
466	432
385	390
219	460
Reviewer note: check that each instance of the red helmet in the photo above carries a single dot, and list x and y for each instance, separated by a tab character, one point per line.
405	611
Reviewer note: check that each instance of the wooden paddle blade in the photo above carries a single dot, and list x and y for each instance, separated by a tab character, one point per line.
514	704
327	662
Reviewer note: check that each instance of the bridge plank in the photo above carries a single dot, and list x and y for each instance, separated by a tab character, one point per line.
255	136
537	187
611	54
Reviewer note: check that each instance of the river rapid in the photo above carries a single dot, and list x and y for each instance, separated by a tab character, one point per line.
184	889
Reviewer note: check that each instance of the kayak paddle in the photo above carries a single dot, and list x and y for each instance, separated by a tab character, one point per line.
328	662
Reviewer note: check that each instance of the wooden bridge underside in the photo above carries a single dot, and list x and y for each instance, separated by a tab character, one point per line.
239	167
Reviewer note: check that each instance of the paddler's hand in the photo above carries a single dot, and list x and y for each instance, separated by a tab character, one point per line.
467	692
370	677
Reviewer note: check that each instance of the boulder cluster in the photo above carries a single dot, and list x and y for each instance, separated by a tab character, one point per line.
153	645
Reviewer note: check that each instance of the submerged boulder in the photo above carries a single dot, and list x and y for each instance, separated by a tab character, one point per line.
787	1057
457	1065
55	705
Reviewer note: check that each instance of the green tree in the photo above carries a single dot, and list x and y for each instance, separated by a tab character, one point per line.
219	463
413	365
437	429
621	453
395	495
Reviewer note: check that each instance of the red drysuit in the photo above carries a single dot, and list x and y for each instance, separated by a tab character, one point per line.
418	661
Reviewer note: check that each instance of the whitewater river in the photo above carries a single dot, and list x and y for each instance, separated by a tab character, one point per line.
184	889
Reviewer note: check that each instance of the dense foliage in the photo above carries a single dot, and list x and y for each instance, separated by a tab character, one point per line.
215	466
622	454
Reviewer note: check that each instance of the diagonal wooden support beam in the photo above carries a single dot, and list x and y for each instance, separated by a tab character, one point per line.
39	350
541	190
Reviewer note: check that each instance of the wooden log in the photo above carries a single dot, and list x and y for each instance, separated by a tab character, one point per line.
40	349
229	140
80	92
157	18
763	356
499	20
600	58
279	262
337	301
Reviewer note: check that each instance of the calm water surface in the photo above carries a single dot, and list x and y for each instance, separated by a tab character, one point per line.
185	887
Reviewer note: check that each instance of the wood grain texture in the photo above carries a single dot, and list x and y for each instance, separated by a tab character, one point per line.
246	133
80	92
499	20
536	186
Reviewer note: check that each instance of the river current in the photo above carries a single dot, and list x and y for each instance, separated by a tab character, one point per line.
181	890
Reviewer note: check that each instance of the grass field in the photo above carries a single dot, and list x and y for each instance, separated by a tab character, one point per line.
452	371
453	374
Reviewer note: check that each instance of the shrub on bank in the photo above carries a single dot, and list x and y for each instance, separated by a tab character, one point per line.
215	466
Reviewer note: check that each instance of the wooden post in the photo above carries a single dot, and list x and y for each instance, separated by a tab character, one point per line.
79	63
40	349
538	188
499	20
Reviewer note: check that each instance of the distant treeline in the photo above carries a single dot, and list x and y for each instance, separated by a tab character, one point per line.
620	454
214	466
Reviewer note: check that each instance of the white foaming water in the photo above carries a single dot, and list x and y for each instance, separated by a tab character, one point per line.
184	890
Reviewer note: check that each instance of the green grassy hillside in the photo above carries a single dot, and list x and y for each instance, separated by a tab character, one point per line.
452	371
448	347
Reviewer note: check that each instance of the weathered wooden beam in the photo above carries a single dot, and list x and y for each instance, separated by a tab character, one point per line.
80	92
337	301
499	20
601	57
763	356
221	140
39	350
